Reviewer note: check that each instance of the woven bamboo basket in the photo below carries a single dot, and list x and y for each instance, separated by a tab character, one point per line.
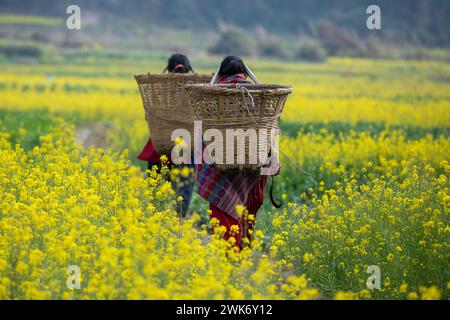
166	105
239	106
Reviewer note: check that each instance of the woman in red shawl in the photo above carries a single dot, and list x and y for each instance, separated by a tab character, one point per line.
227	191
177	63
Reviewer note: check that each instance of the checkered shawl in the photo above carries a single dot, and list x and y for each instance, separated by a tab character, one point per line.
226	190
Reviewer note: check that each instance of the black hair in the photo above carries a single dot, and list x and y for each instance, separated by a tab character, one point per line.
231	65
179	63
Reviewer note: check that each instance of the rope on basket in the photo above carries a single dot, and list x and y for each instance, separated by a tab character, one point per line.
246	91
297	166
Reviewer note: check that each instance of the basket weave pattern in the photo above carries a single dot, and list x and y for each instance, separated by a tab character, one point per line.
242	106
166	105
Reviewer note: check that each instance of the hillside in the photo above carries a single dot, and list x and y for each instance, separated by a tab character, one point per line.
415	21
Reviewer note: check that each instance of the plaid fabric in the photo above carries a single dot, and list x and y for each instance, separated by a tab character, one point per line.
226	190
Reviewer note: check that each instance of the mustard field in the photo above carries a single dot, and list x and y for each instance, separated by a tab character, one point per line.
373	137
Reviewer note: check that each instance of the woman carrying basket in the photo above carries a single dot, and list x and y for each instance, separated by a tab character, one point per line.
184	185
228	193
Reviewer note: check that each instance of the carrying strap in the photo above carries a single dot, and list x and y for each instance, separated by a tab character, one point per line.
251	74
274	203
245	91
247	70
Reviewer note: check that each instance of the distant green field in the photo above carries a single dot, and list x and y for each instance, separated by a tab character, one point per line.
13	19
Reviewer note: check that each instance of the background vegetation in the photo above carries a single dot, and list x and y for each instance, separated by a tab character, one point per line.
372	133
258	28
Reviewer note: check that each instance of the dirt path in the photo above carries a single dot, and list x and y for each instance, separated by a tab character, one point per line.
94	135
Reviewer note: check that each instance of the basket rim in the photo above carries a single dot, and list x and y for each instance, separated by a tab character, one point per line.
252	88
162	76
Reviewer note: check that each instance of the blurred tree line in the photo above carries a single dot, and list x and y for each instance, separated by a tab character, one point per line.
423	21
283	29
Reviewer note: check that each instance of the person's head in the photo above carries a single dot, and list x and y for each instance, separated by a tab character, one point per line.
179	63
232	65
